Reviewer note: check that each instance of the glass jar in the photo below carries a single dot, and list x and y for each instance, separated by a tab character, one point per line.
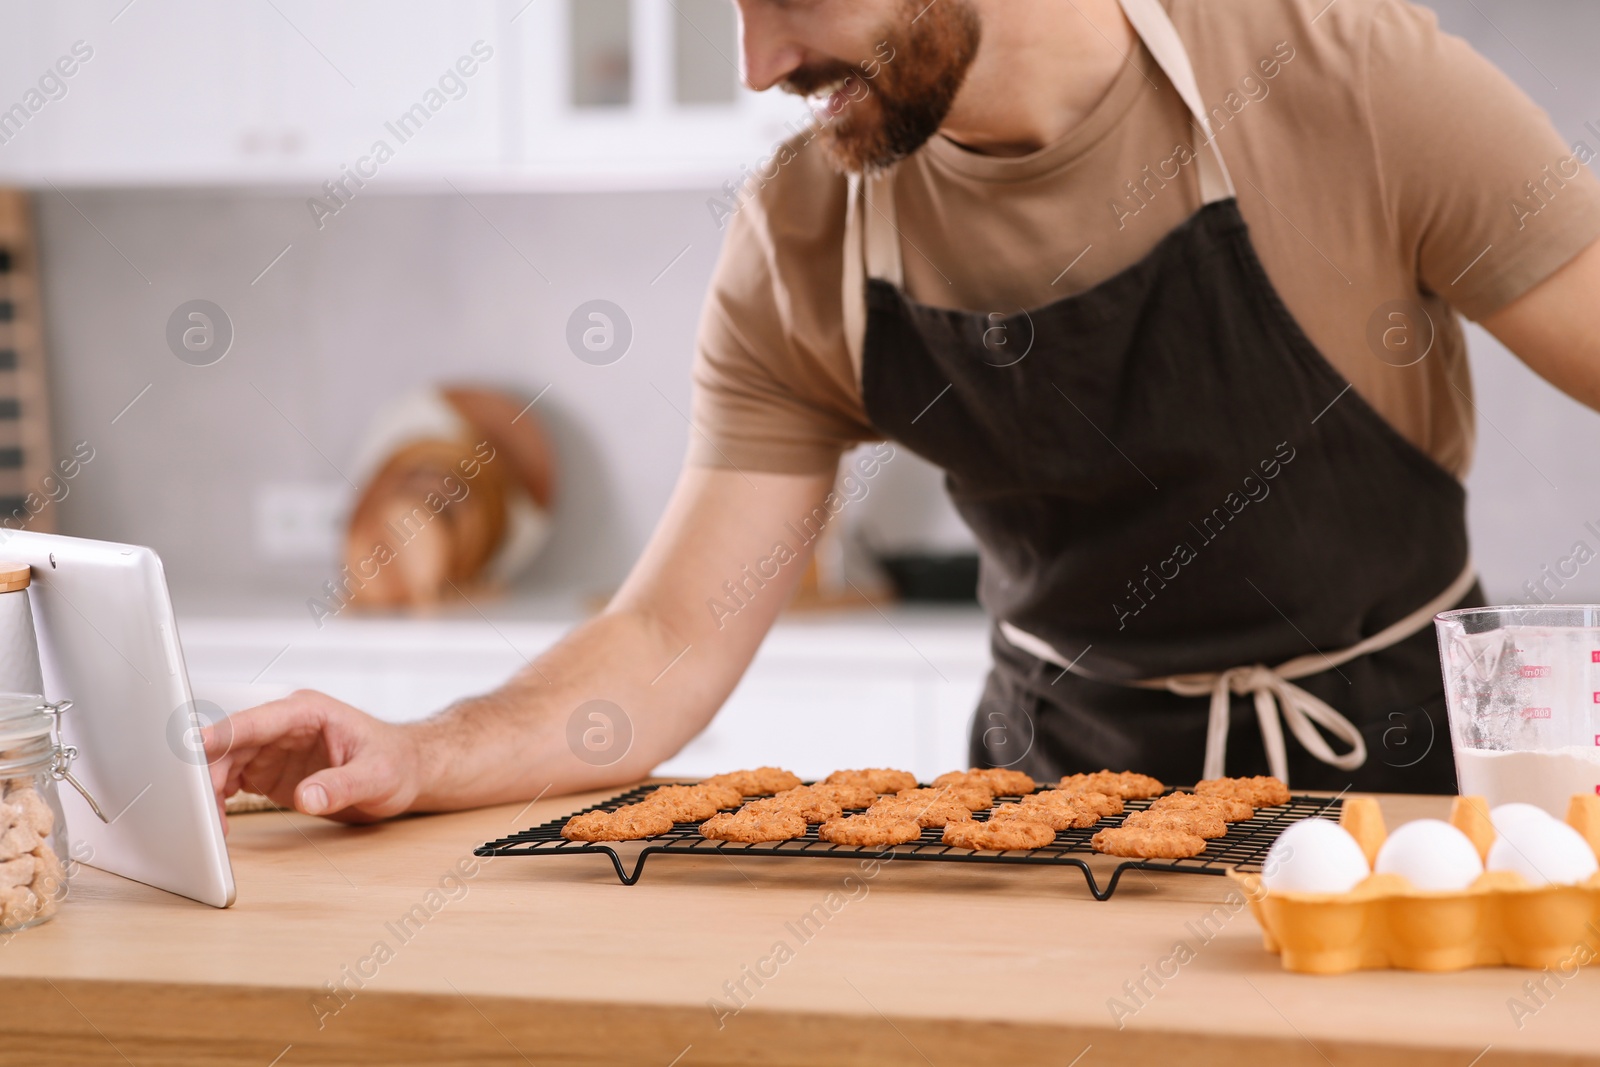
33	831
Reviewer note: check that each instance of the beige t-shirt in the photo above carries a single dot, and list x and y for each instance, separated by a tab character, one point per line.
1376	158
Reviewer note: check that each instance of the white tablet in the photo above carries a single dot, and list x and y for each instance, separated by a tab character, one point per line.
108	642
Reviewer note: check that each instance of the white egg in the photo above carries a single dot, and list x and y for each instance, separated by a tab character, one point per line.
1430	854
1507	816
1314	856
1543	852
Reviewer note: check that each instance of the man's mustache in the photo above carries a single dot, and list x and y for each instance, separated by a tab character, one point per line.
808	81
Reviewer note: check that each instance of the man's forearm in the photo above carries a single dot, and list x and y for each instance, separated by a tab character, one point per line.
521	740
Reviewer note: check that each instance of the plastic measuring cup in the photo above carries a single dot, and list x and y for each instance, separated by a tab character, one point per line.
1522	685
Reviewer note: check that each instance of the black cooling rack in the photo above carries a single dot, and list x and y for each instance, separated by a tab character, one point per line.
1243	848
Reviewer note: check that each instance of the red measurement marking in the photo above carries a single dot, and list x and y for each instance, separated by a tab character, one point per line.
1537	713
1594	657
1544	672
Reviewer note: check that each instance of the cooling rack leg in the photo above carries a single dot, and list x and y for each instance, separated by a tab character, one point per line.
622	874
638	865
1111	886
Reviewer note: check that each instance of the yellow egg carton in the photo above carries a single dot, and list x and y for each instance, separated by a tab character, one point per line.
1498	921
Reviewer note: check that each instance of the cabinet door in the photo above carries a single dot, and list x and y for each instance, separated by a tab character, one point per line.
642	91
170	89
425	80
195	90
811	718
946	702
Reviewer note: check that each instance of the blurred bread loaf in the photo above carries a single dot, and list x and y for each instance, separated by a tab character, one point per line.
456	483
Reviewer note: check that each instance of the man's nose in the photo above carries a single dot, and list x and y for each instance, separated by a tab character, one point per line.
767	55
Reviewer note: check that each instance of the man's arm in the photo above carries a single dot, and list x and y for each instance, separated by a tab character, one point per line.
1555	327
658	652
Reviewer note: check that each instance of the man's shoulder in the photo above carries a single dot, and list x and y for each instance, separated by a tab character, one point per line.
1338	32
792	196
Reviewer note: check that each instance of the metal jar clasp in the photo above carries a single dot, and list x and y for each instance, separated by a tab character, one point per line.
64	754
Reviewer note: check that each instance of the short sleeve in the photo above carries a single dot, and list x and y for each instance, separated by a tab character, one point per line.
774	389
1480	186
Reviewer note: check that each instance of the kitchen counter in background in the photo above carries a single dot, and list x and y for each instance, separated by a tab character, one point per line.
826	690
550	961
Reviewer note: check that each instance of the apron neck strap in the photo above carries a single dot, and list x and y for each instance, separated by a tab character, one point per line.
871	250
872	242
872	199
1154	27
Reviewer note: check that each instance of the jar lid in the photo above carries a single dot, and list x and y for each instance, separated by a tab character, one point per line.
23	716
14	576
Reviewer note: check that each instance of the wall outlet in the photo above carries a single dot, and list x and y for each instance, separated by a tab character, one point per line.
301	520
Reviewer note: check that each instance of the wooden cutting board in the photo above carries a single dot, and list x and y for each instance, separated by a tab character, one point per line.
25	457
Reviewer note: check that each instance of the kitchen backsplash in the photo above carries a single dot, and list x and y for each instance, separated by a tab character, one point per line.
394	292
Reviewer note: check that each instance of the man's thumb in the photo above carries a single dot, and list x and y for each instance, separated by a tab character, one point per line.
331	790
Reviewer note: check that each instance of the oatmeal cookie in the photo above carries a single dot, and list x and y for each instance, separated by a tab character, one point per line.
1055	816
974	796
628	823
1013	832
752	827
928	807
692	803
759	782
1000	781
1062	811
1229	808
1148	844
1101	804
1262	791
848	796
878	779
805	801
1200	823
870	829
1125	784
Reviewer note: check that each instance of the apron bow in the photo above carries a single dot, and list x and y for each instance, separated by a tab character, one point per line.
1275	696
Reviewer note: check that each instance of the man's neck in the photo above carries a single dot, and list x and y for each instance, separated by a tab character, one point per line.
1041	68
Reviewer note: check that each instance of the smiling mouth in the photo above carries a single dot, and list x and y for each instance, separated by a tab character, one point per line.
827	97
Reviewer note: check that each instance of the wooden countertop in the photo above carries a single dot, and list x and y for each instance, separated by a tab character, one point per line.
533	961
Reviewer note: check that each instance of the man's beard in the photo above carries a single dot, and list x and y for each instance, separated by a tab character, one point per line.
890	104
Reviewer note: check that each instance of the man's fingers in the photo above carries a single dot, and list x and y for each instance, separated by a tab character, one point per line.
260	726
314	753
336	788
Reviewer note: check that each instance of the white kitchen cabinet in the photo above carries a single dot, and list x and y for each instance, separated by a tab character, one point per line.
190	91
425	80
653	132
301	92
171	89
811	718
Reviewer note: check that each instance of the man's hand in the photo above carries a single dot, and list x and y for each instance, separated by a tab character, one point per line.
317	755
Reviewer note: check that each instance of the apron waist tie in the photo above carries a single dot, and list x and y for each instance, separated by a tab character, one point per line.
1274	690
1275	695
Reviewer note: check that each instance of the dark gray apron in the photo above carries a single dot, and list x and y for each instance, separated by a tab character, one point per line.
1173	491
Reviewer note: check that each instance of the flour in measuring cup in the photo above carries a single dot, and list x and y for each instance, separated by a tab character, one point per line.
1547	778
